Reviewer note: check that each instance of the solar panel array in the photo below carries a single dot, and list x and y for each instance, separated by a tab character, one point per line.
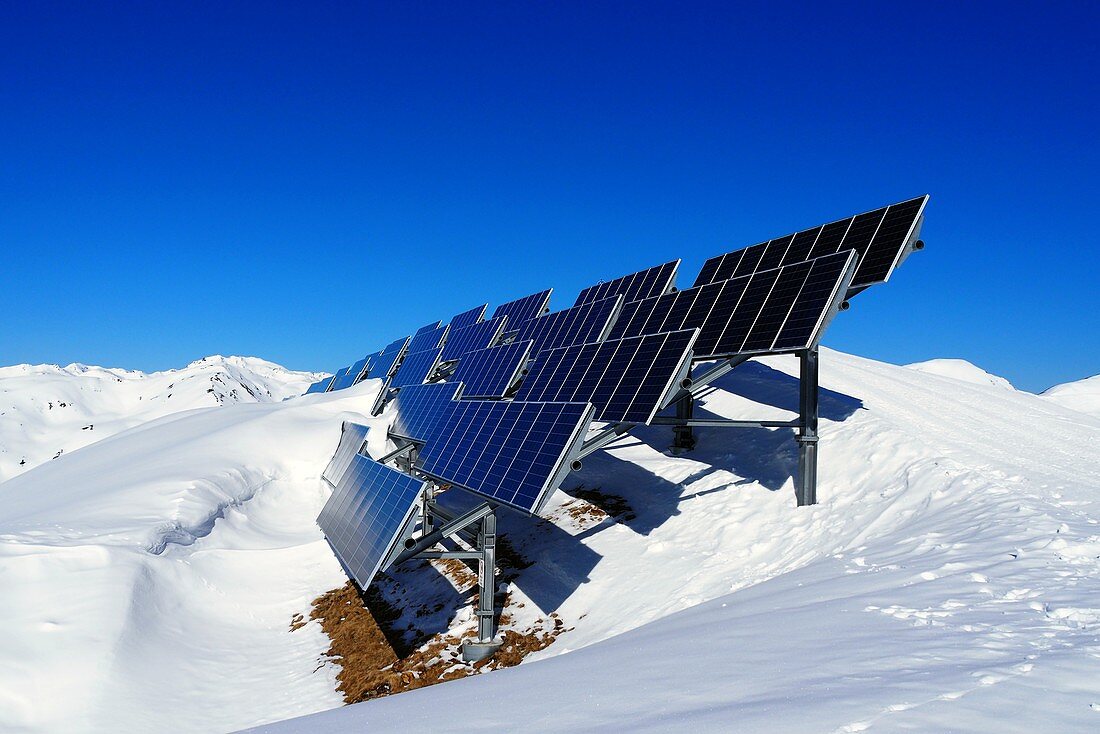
499	407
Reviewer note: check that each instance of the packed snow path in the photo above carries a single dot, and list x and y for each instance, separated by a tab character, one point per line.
949	579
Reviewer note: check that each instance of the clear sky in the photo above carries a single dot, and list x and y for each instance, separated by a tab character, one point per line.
306	184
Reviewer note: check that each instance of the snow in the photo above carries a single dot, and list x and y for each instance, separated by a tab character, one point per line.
960	369
948	580
47	410
1082	395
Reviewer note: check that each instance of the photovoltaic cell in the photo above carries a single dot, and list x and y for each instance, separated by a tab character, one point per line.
626	380
350	376
352	437
779	309
430	339
319	386
511	452
490	373
421	409
655	281
417	367
428	327
371	510
588	322
525	308
477	336
878	237
468	318
386	363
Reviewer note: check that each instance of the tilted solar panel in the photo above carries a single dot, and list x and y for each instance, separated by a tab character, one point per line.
349	376
655	281
490	373
588	322
430	339
880	239
417	367
352	437
320	386
420	409
373	508
468	318
428	327
476	336
782	309
626	380
525	308
386	363
514	453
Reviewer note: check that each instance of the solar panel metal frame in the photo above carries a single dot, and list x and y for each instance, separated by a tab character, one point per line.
650	316
826	239
372	509
492	372
523	309
654	281
554	369
431	462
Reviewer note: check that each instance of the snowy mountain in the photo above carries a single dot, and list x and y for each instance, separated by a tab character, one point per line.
949	579
47	410
960	369
1083	395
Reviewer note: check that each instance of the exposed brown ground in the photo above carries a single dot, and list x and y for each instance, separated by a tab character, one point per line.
375	661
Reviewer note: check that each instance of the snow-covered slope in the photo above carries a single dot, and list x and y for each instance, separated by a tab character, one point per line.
46	410
960	369
1083	395
949	579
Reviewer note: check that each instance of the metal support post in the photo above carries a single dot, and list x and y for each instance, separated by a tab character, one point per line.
486	644
683	436
807	427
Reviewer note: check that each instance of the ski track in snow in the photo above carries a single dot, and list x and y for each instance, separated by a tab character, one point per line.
949	580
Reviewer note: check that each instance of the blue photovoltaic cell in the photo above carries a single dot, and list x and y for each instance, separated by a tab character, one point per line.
352	437
371	510
421	409
319	386
430	339
626	380
525	308
416	368
585	323
878	237
469	338
489	373
350	376
655	281
511	452
468	318
782	309
428	327
386	363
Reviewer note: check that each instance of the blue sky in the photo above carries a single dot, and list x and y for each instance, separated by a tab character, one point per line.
305	184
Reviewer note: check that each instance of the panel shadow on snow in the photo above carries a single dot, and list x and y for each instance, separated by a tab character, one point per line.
762	384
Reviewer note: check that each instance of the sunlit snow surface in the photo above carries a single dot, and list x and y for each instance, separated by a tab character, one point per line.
949	579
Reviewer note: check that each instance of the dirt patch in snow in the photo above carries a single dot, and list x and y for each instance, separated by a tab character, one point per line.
376	661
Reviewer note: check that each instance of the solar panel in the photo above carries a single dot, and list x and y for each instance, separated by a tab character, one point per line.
468	318
626	380
476	336
490	373
879	238
525	308
588	322
780	309
386	362
430	339
428	327
352	437
417	367
320	386
350	376
373	508
420	408
513	453
655	281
